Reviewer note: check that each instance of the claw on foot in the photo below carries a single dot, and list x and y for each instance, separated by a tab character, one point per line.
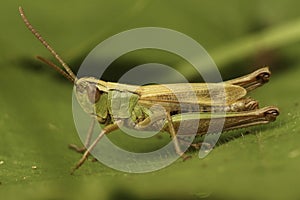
185	157
197	146
76	148
81	161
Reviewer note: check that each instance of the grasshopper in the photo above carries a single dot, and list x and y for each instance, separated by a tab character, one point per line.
97	96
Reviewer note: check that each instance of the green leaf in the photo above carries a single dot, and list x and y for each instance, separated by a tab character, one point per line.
36	123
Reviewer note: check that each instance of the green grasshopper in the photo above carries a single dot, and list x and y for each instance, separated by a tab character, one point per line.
104	101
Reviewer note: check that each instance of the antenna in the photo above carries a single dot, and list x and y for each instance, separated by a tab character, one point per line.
52	51
57	68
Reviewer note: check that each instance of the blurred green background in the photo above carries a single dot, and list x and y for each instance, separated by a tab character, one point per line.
36	123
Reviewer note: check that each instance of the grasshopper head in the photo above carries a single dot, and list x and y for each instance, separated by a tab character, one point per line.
88	92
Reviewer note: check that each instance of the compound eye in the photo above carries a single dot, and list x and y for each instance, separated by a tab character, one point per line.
93	93
80	89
